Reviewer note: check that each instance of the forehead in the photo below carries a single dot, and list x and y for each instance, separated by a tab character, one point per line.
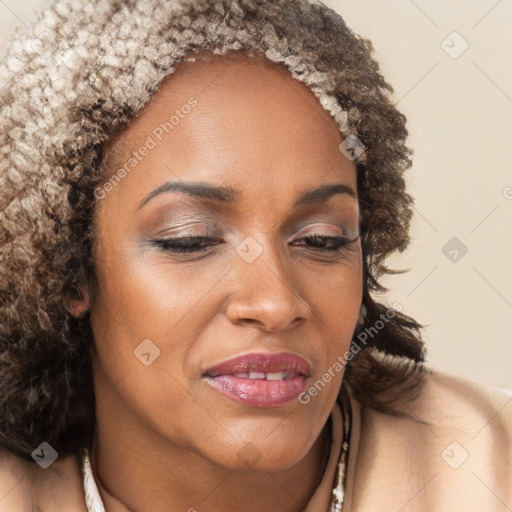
251	118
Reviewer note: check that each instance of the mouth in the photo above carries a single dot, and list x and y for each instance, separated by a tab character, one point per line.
260	379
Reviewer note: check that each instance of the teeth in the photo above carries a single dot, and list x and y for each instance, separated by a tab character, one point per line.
267	376
256	375
276	376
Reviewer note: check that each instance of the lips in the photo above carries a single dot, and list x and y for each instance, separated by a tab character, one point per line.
284	362
260	379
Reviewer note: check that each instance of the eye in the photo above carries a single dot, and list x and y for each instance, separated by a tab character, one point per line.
198	244
327	243
184	244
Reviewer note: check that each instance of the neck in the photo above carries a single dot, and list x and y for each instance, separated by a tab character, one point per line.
138	479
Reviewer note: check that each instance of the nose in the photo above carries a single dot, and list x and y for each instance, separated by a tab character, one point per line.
267	294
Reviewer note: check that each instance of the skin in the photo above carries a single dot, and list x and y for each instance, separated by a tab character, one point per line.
165	439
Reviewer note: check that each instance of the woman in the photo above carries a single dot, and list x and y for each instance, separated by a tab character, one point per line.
198	199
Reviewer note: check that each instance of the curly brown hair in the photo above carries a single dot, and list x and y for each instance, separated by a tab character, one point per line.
94	67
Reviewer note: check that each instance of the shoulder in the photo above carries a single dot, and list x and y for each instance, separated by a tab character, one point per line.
27	487
449	404
451	447
450	400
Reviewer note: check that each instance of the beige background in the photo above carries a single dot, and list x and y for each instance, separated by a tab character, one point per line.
459	108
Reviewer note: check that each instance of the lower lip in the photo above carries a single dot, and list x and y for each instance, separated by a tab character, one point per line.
259	392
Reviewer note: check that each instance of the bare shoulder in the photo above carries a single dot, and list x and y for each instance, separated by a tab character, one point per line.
26	486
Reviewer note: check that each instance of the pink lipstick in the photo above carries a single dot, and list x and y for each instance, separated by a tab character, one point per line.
260	379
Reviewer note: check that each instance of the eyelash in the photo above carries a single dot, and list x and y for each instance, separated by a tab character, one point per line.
192	244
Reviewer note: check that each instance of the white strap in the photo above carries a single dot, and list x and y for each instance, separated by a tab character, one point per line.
92	496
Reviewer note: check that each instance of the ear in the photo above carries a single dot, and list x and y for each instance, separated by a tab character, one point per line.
78	306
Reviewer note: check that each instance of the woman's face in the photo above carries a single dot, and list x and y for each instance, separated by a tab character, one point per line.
260	286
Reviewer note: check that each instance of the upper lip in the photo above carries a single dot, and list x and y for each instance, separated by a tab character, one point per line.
261	362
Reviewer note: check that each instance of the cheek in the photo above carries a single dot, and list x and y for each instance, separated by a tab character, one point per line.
151	299
336	301
336	295
140	314
146	297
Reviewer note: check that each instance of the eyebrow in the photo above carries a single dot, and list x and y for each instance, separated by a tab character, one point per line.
228	195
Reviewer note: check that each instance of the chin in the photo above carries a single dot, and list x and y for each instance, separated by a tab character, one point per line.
263	454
